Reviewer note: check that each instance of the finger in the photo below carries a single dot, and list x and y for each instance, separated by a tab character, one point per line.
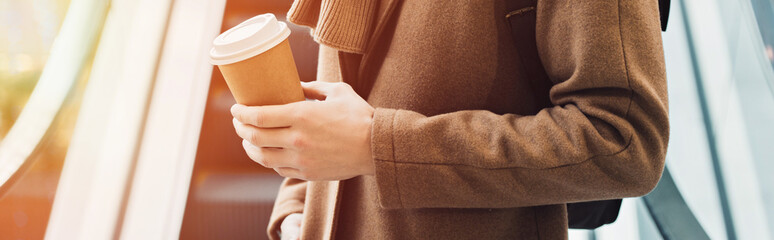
263	137
254	153
267	157
272	116
289	236
289	231
291	226
293	220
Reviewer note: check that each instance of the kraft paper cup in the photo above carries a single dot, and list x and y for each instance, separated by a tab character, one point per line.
257	63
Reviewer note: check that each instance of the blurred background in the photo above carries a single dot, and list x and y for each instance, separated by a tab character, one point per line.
28	29
94	142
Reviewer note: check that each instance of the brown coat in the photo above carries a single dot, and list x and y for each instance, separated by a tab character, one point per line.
470	141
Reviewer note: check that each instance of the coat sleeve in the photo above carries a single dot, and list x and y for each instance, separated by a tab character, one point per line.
605	136
290	199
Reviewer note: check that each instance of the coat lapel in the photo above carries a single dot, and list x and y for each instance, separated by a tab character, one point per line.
333	189
376	46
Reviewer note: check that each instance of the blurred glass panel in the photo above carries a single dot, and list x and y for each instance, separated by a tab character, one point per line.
26	199
646	227
764	13
230	196
31	27
747	129
28	29
732	40
688	154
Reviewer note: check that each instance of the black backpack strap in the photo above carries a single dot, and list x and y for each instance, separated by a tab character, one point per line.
663	12
591	215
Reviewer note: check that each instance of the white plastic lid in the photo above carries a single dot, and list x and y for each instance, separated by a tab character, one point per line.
251	37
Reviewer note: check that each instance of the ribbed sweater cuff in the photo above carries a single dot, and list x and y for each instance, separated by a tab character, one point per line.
304	13
343	24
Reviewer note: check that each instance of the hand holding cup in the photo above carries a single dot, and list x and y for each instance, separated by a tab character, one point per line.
328	139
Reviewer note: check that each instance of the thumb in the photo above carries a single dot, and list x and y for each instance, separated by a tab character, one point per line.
316	90
322	90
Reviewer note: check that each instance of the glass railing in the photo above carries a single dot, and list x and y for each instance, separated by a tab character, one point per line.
730	46
28	29
44	61
764	14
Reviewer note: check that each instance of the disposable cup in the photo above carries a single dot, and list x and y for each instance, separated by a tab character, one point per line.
257	63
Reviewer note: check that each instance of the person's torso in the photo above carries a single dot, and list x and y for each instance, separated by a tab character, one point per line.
437	57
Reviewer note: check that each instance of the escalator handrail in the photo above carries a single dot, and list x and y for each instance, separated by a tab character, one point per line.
672	216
